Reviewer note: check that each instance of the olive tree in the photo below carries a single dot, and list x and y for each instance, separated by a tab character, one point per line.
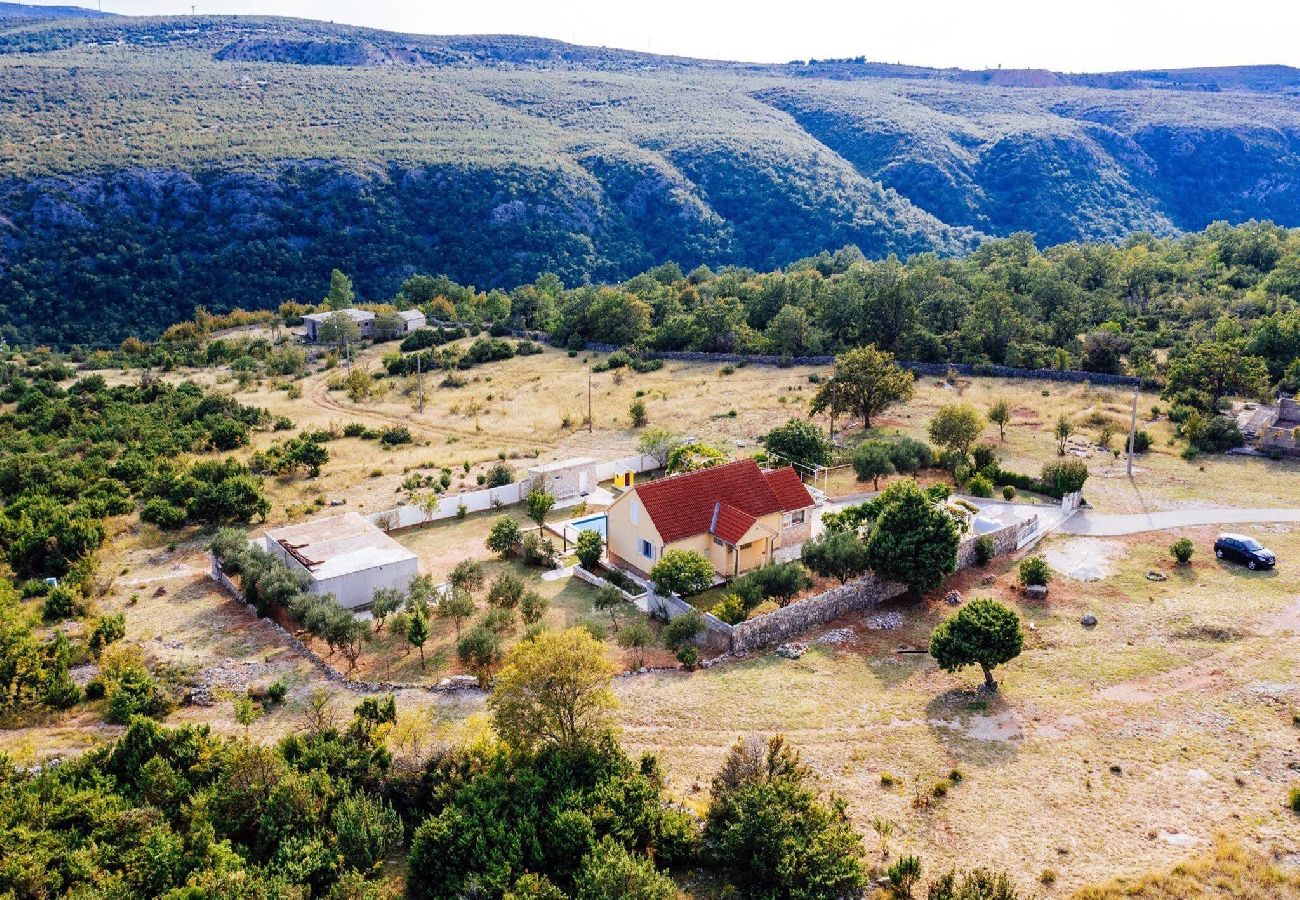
983	633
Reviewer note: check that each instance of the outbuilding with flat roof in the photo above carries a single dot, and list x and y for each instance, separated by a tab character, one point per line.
344	555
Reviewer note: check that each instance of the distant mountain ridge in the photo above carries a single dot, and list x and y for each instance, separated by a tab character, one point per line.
150	164
34	12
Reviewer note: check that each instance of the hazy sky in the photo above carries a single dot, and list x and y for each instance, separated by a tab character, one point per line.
1080	35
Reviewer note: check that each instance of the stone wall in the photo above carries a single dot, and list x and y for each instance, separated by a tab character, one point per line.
779	625
940	370
1004	540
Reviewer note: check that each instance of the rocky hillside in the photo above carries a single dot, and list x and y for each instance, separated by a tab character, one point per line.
148	165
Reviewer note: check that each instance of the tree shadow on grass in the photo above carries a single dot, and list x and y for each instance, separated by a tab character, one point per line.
977	728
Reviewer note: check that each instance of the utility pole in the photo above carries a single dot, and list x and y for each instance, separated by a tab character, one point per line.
1132	429
419	377
588	403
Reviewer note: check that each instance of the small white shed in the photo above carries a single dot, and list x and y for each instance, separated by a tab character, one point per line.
412	319
567	478
344	555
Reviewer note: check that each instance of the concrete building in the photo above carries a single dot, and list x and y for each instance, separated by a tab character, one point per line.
737	515
345	555
412	319
566	478
364	318
1275	428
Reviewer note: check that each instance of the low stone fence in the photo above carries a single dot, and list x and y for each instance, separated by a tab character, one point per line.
1074	376
781	624
803	615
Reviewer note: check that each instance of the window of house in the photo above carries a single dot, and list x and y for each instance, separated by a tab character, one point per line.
718	542
635	517
796	518
647	550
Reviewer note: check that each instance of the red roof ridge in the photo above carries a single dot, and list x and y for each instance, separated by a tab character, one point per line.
720	498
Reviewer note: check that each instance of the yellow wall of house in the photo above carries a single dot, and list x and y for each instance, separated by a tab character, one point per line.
623	537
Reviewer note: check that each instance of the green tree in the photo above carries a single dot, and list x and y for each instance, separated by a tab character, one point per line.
503	536
658	443
866	381
913	540
637	413
383	604
589	547
480	652
872	460
1212	370
367	831
553	690
532	607
635	638
506	591
339	330
772	833
609	600
683	572
340	294
798	442
983	633
790	333
693	457
682	630
1062	432
999	414
417	631
956	426
837	554
457	606
467	576
610	872
1065	476
539	503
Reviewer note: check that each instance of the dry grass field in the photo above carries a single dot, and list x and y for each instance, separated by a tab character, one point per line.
1109	751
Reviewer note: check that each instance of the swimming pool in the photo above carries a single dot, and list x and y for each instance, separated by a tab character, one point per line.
590	523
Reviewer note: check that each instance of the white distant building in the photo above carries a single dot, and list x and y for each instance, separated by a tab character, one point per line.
345	555
566	478
364	319
412	319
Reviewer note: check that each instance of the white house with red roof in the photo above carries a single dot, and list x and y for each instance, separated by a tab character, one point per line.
737	515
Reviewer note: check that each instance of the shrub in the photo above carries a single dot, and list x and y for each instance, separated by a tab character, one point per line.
980	486
1009	492
682	631
394	435
60	603
167	516
909	455
502	536
689	656
1293	800
984	455
277	691
871	461
731	609
1034	570
588	548
538	551
1219	435
683	572
1065	476
904	874
135	692
1141	441
978	884
637	413
107	630
367	830
1182	550
500	475
836	554
983	549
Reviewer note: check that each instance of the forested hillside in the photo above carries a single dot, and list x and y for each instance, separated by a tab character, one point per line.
151	165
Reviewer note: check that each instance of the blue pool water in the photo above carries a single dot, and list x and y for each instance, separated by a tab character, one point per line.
590	523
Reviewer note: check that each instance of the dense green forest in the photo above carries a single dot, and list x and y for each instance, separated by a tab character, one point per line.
148	166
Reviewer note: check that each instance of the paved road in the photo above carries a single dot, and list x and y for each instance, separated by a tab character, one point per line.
1085	522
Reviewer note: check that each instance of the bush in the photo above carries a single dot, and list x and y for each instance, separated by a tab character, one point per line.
682	631
60	603
167	516
1009	493
500	475
909	455
977	884
871	462
1220	435
731	609
980	486
538	551
367	830
689	656
983	549
1293	800
1034	570
682	572
1065	476
637	413
135	692
502	536
1182	550
1141	441
277	691
588	548
394	435
984	456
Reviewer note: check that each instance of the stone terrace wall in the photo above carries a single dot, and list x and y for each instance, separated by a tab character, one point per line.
862	593
936	369
778	625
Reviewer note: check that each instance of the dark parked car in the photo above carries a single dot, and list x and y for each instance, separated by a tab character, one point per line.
1242	549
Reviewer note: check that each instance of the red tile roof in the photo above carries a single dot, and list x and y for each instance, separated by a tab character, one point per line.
687	505
729	523
788	488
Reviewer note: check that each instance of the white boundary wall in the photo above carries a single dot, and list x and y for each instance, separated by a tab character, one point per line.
409	515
